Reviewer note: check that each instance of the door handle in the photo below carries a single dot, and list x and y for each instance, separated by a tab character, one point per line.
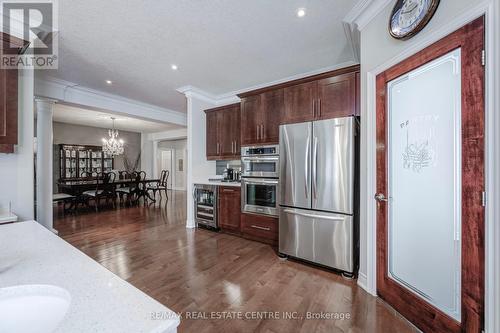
306	167
323	217
314	167
380	197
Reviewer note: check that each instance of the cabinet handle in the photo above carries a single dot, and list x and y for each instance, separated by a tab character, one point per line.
226	190
258	132
260	228
314	108
319	107
262	131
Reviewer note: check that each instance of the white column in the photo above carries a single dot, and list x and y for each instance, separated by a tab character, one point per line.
198	168
44	156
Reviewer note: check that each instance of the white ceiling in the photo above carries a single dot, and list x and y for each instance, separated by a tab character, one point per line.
219	45
78	116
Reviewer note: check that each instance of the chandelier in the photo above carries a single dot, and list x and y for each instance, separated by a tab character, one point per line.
112	146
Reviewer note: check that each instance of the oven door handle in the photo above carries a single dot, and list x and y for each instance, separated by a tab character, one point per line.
261	182
260	159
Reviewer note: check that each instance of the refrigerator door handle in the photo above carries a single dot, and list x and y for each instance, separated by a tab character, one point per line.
322	217
314	167
306	167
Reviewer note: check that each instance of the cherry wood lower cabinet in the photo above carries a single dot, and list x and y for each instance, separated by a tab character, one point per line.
260	228
229	208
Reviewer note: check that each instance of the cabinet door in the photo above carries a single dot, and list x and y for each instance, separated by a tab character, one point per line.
358	94
251	118
212	135
272	109
300	103
8	110
229	131
337	96
236	130
229	208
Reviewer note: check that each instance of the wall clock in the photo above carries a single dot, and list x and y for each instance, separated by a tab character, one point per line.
409	17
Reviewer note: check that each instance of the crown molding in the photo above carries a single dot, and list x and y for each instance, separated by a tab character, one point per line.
231	97
72	93
358	18
363	12
217	100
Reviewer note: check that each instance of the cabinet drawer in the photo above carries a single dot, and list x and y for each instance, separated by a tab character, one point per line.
260	226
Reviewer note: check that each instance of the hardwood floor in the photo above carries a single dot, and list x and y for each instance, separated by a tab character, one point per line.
197	272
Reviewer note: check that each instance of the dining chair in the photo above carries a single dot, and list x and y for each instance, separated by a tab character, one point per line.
104	189
141	186
131	189
161	185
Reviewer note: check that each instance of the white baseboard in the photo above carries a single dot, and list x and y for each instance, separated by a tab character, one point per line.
190	224
363	281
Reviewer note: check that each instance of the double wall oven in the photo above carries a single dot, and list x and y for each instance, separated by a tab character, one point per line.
260	180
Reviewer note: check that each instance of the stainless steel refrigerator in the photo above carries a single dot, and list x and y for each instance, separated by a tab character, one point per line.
317	178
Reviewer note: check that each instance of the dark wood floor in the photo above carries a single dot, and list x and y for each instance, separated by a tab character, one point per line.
197	272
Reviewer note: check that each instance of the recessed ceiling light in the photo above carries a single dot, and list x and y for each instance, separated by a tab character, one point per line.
109	82
174	67
301	12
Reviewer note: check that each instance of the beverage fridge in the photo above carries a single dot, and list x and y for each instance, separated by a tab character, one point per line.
318	205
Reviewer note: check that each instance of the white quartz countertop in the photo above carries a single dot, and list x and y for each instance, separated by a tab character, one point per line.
219	183
100	300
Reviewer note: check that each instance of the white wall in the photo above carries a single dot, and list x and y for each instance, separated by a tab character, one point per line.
179	152
149	146
17	170
378	52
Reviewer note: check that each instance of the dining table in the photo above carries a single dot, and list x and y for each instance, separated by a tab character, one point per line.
77	187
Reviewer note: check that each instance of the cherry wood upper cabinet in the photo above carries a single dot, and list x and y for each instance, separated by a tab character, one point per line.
272	110
8	101
300	103
336	97
229	208
251	118
223	132
212	141
229	131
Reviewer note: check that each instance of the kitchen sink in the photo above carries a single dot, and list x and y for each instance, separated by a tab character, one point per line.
32	308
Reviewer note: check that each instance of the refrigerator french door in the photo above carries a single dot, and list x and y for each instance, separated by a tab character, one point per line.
317	192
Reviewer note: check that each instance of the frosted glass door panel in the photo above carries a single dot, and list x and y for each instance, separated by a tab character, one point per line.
424	108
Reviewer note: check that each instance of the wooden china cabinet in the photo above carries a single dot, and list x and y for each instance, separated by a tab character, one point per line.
78	161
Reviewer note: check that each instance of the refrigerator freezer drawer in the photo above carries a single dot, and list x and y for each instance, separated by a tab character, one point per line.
322	238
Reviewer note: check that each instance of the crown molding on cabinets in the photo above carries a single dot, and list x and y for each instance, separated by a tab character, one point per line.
74	94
